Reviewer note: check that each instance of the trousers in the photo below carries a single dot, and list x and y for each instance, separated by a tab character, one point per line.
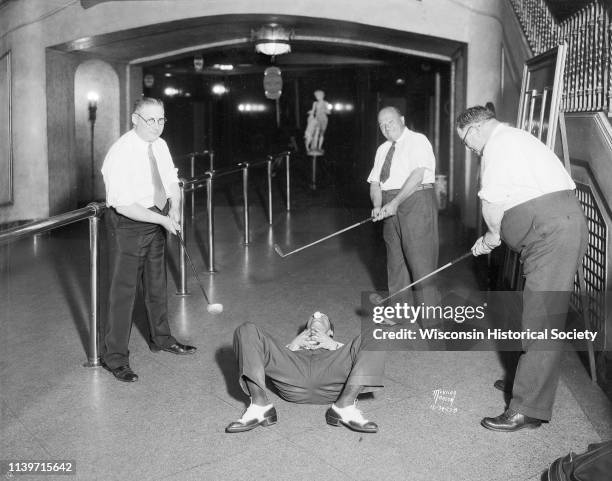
550	233
411	237
305	376
137	258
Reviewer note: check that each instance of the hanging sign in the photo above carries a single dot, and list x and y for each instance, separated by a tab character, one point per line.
273	83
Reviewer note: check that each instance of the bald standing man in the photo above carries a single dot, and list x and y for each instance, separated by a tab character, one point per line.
403	197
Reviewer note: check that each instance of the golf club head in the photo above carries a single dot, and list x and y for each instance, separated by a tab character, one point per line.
375	299
215	308
278	250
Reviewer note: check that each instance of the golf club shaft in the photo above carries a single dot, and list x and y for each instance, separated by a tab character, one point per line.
439	269
328	237
182	241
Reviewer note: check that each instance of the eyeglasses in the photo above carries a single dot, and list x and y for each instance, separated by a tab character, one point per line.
465	136
151	122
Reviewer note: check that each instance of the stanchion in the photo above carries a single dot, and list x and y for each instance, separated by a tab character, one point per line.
288	180
93	356
192	172
269	167
245	200
211	223
182	286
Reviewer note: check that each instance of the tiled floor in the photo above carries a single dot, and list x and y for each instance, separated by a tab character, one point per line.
170	424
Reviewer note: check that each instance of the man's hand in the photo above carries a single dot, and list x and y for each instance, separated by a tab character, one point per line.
170	225
323	341
302	341
387	210
375	213
485	244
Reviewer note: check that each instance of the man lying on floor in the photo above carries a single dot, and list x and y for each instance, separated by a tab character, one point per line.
313	368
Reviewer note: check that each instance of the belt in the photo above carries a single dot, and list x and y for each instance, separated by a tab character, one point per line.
420	187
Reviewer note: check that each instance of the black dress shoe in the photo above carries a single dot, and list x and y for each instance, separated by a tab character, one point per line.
268	418
123	373
176	348
502	386
510	421
359	424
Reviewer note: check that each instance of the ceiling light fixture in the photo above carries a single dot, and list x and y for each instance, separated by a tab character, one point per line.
272	39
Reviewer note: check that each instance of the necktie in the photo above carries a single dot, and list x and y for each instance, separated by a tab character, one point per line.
159	193
386	168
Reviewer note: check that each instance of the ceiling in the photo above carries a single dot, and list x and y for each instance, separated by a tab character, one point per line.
316	43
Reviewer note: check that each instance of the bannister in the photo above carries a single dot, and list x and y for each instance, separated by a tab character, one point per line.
92	212
588	68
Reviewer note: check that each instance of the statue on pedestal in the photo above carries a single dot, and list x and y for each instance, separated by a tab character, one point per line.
317	124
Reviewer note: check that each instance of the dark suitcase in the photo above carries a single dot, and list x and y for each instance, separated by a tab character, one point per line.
593	465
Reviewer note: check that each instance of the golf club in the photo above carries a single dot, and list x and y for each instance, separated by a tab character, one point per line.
280	252
377	299
212	308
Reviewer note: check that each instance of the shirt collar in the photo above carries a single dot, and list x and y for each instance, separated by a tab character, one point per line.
494	132
402	137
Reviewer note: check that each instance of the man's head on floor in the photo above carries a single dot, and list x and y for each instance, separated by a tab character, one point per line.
320	322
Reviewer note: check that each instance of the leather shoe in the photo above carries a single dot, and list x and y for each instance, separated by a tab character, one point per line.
510	421
356	422
246	423
501	385
123	373
176	348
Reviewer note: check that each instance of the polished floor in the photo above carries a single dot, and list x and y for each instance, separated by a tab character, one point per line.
170	424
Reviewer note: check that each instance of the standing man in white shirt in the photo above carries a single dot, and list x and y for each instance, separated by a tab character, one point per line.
528	200
401	190
143	199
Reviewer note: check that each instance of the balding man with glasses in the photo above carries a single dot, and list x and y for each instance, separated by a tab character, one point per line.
528	200
143	199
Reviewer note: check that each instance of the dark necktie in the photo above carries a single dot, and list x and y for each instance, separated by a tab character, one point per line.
386	168
159	193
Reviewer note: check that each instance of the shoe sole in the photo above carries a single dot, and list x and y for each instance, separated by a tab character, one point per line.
524	426
265	423
118	378
336	422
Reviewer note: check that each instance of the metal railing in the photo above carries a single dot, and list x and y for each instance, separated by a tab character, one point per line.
92	212
207	181
588	66
191	158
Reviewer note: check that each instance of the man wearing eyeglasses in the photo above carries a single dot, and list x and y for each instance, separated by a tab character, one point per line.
401	190
143	197
528	200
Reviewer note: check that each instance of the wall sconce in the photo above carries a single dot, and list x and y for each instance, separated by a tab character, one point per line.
92	98
272	39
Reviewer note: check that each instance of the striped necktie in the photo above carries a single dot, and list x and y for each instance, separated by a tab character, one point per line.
159	193
386	168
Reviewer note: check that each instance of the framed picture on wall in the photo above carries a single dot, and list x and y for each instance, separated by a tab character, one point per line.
541	91
6	145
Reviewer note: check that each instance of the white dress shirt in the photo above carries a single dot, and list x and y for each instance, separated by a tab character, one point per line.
412	150
127	172
517	167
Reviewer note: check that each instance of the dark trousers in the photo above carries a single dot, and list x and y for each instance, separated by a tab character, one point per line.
305	376
550	232
412	243
136	258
